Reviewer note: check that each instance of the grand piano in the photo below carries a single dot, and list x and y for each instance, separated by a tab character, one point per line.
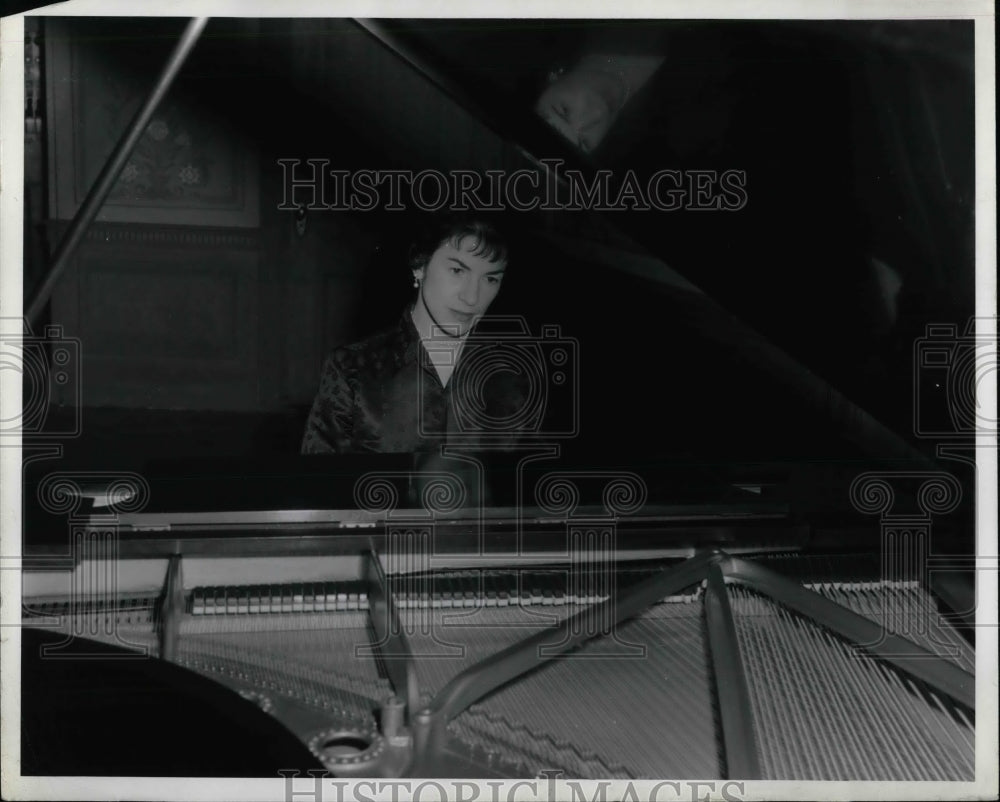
739	541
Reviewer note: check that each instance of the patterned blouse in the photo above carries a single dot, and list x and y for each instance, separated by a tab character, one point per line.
384	395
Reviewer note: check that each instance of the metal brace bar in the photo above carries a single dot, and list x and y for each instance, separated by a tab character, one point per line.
429	725
172	609
940	673
736	711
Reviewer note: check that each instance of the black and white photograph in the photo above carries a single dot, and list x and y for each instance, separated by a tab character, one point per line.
498	402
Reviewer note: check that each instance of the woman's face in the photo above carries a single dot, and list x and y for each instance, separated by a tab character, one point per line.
581	106
458	286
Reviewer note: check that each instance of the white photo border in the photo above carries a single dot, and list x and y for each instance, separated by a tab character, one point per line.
11	289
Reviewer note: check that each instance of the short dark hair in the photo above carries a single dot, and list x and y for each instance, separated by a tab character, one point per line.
491	244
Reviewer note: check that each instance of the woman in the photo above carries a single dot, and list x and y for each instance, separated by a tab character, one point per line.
429	380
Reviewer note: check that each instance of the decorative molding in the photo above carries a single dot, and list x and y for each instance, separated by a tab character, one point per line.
190	167
32	81
200	237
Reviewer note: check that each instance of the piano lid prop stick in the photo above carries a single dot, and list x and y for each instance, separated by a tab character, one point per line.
109	174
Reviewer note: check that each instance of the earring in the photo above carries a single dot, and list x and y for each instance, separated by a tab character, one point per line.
416	282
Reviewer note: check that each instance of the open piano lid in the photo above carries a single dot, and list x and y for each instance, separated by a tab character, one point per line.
715	366
844	245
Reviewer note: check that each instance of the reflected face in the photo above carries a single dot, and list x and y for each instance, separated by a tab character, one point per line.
581	105
457	286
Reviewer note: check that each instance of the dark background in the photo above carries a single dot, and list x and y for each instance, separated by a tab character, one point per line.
205	340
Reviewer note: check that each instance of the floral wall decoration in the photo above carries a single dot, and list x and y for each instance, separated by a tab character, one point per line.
190	167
